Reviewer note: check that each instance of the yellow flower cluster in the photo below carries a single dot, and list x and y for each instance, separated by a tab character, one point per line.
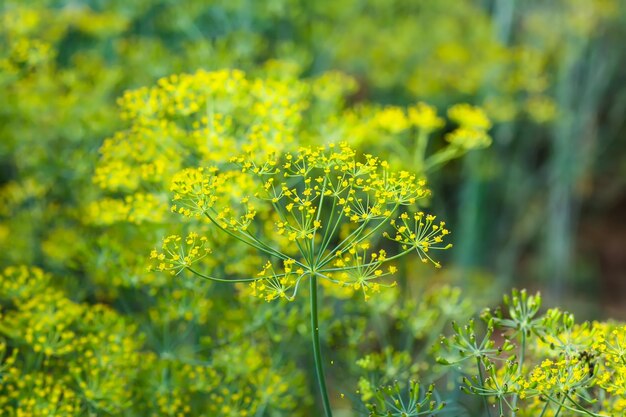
194	191
199	192
402	134
556	378
22	283
424	117
591	356
62	357
469	116
420	233
179	254
42	395
65	357
610	343
356	270
135	208
392	119
206	116
44	322
327	205
473	127
557	367
273	285
366	121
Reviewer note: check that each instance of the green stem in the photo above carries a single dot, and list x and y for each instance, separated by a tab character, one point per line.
269	250
203	276
482	383
319	212
558	410
567	407
317	353
519	369
443	156
419	155
582	409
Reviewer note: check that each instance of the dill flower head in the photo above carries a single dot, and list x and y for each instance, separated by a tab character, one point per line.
330	208
561	376
412	401
473	126
467	138
424	116
20	283
419	231
179	253
199	119
59	356
553	362
470	117
392	119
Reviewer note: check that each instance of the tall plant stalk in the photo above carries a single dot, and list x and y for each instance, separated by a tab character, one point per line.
317	353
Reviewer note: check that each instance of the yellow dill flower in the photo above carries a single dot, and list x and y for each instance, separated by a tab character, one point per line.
419	232
392	119
469	138
470	117
178	253
360	269
20	283
273	285
134	208
424	117
311	195
541	109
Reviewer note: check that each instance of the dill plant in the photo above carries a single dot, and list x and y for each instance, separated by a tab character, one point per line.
59	357
545	365
390	402
34	76
182	132
328	206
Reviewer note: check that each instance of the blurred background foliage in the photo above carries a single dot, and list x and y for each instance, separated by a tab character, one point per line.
542	207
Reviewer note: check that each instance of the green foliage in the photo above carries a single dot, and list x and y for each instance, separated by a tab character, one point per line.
110	109
554	366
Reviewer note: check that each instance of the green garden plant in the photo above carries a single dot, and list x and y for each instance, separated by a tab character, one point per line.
327	204
417	84
200	119
545	365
